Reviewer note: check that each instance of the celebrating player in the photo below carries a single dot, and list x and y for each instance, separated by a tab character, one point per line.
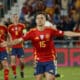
44	51
15	31
3	52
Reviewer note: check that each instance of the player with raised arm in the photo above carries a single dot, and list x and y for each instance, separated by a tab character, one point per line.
44	51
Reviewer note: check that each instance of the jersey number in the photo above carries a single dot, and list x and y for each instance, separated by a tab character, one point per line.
42	44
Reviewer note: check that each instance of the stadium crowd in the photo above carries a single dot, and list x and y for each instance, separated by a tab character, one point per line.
65	14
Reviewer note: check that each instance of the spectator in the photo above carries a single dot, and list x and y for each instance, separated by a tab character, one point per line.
26	9
77	4
49	7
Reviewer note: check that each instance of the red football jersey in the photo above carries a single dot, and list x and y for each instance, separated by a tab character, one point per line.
42	41
3	34
16	31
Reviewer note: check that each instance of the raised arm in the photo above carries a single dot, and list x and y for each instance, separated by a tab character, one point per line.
71	34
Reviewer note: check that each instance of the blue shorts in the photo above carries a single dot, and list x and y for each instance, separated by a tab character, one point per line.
42	67
3	55
19	52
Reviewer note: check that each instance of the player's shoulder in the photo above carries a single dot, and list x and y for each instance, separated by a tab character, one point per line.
4	26
21	24
32	29
51	28
48	28
10	26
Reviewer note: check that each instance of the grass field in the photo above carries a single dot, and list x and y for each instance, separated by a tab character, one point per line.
67	73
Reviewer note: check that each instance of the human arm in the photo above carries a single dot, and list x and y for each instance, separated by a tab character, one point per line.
71	34
11	43
25	37
16	41
65	33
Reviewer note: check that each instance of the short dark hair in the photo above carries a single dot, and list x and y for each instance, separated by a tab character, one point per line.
40	12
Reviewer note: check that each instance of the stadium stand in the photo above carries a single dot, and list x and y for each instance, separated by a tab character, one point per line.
10	6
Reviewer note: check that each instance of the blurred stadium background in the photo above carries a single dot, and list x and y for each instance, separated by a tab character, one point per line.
65	14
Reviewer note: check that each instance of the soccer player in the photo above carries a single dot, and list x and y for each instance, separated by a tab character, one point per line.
15	31
3	52
44	53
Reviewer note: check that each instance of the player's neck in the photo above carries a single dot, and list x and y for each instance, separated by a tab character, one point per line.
15	23
40	28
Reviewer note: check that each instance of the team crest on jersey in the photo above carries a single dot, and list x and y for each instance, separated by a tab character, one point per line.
41	37
1	31
47	36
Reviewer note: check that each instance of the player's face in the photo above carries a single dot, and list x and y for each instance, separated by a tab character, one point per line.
15	18
40	20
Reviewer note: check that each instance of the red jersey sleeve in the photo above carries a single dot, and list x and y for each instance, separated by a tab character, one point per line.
27	36
22	25
57	33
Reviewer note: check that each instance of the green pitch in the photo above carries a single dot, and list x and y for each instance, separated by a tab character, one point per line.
67	73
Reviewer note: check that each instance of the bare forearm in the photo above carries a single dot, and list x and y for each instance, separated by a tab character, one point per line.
71	34
14	42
